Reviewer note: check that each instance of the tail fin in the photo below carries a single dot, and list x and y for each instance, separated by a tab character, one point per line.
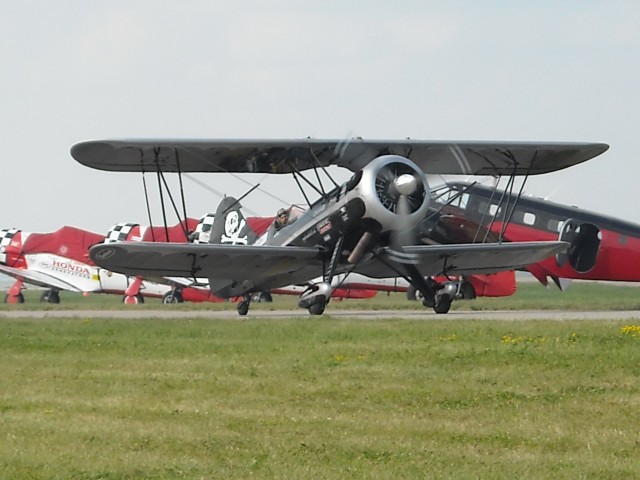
229	225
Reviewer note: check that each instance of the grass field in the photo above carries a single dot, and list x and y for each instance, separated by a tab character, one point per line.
310	397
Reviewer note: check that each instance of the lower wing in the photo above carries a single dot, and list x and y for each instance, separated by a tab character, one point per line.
472	258
39	279
236	262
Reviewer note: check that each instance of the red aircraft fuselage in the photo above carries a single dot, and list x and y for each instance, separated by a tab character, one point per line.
601	247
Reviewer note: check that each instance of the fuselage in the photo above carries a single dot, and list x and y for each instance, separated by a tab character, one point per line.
602	247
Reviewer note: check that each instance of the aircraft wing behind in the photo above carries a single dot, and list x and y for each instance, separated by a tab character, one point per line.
285	156
234	262
432	260
39	279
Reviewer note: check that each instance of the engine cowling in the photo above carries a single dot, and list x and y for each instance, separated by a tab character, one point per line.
584	240
395	191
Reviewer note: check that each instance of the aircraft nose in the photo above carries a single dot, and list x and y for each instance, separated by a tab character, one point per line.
406	184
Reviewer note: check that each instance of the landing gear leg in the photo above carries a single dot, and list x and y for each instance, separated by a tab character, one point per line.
426	286
243	305
316	296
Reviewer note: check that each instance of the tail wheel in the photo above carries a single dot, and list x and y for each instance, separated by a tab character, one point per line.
19	298
133	299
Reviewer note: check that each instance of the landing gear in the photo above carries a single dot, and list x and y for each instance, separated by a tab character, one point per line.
14	294
243	305
262	297
19	298
413	294
133	299
50	296
317	308
443	303
173	296
315	298
444	294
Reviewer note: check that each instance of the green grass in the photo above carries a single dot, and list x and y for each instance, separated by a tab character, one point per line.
318	398
530	295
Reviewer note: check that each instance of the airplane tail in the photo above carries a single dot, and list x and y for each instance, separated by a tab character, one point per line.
229	225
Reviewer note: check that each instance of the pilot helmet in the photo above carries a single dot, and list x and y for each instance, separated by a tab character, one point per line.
282	211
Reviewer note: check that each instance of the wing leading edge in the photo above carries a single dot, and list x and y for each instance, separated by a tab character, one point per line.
285	156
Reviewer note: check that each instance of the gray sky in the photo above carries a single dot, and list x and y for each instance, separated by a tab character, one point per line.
431	70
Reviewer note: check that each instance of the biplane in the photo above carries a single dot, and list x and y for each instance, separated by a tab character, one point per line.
365	225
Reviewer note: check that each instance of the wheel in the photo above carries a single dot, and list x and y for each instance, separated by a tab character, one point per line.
467	291
317	308
172	297
243	307
262	297
19	298
133	299
50	296
443	304
412	293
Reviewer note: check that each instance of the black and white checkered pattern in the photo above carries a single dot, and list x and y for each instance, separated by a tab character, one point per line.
6	235
203	230
119	232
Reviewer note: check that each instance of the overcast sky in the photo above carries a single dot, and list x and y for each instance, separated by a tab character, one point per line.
430	70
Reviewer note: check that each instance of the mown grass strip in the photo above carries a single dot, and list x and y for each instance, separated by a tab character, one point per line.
319	398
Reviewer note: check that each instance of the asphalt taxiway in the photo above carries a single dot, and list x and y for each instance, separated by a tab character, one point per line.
361	314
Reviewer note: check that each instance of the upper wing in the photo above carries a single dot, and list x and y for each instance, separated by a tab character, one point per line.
234	262
39	279
432	260
285	156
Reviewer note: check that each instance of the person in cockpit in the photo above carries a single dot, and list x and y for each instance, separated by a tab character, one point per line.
282	218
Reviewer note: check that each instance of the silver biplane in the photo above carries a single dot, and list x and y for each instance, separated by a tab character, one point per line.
365	225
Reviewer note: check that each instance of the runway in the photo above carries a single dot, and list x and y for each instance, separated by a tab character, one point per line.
426	315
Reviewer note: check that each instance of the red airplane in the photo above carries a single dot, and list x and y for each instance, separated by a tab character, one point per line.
601	247
60	261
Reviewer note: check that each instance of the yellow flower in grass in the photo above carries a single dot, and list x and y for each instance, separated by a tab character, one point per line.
631	330
511	340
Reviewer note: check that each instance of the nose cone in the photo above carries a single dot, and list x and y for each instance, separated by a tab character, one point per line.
406	184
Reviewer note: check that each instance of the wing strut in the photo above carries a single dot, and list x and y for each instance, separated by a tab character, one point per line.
320	190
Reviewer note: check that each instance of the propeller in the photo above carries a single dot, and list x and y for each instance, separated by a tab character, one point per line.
401	197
